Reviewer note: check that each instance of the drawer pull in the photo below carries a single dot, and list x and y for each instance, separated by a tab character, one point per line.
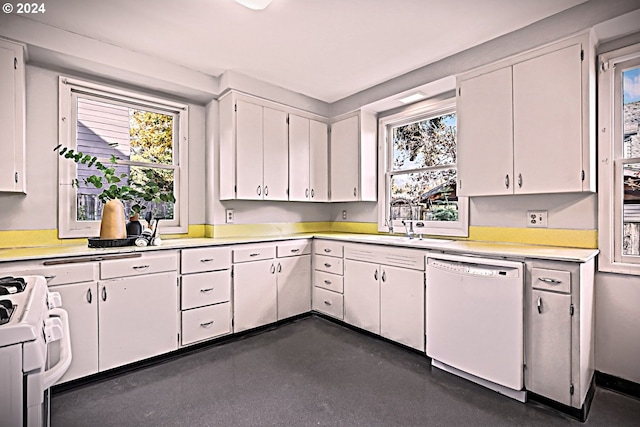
327	302
141	267
89	296
206	324
206	291
206	260
50	278
539	304
327	282
326	264
550	280
254	254
295	250
327	250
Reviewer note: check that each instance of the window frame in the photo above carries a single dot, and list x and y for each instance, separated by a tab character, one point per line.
612	161
421	111
68	90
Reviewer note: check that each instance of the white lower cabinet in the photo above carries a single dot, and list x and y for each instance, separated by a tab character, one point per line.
362	295
255	294
204	323
137	318
327	294
294	285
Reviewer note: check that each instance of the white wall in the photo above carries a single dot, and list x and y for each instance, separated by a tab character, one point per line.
38	208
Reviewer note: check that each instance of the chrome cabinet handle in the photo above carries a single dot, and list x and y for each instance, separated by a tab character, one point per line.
206	291
550	280
327	282
295	250
326	264
273	268
206	324
520	180
104	293
259	190
506	180
354	192
266	190
306	193
327	302
89	296
206	260
254	254
375	274
312	193
384	276
279	268
539	305
327	250
141	267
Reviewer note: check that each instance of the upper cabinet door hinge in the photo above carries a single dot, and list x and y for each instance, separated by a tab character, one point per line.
582	175
459	91
287	119
581	54
15	63
232	273
571	310
235	107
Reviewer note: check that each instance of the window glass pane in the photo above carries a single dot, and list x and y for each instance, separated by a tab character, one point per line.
151	137
631	112
427	196
631	209
425	143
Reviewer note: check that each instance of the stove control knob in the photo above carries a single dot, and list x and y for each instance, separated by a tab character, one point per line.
52	329
54	300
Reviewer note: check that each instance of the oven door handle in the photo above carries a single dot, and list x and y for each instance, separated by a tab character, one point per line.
53	374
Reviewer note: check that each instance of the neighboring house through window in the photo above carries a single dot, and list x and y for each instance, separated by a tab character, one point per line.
619	155
418	165
142	132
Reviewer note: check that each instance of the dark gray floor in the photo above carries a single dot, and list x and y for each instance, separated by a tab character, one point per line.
309	372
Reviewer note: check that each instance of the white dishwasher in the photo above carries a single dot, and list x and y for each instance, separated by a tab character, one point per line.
474	320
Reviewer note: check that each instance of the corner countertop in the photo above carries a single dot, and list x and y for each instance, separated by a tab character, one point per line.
441	245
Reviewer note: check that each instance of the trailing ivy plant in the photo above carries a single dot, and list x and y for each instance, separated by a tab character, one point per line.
117	186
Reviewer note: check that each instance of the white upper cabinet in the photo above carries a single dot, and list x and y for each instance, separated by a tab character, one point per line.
308	160
523	123
12	117
353	158
253	150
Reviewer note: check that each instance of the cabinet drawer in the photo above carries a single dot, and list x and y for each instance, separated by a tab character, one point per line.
328	264
253	253
205	289
55	274
326	247
329	281
138	266
328	302
206	322
551	280
205	259
297	247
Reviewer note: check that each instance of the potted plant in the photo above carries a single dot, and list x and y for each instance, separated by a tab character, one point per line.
116	188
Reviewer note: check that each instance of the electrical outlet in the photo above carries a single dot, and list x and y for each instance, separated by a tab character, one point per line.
344	214
537	219
228	216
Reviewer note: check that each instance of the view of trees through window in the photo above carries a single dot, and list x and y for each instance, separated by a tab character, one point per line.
423	170
631	154
141	140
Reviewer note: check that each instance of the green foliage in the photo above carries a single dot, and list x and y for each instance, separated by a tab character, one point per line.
112	184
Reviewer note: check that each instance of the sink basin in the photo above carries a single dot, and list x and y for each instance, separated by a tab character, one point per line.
403	239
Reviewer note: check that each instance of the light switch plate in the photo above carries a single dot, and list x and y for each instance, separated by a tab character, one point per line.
537	219
228	216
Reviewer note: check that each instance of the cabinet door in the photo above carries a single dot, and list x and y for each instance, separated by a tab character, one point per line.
254	294
485	135
249	151
276	154
345	160
549	346
547	117
294	286
80	300
402	306
319	161
299	159
11	117
362	295
137	318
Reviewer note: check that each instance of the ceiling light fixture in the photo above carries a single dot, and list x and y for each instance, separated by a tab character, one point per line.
254	4
417	96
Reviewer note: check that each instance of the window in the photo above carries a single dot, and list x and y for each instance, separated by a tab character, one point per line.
141	132
619	154
418	163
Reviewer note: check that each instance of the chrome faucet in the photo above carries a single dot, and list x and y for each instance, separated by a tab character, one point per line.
408	230
390	218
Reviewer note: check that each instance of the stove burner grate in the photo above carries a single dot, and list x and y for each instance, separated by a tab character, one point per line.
6	309
11	285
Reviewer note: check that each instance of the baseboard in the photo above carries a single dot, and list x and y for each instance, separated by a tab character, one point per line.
580	414
618	384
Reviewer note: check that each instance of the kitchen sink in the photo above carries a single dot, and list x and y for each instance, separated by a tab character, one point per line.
403	239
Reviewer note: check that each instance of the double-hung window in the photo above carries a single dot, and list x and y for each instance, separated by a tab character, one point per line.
619	155
146	135
418	163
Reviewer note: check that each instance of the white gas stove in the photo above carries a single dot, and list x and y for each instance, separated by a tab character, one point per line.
30	319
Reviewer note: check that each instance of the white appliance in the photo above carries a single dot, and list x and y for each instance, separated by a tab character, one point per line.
30	319
474	320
